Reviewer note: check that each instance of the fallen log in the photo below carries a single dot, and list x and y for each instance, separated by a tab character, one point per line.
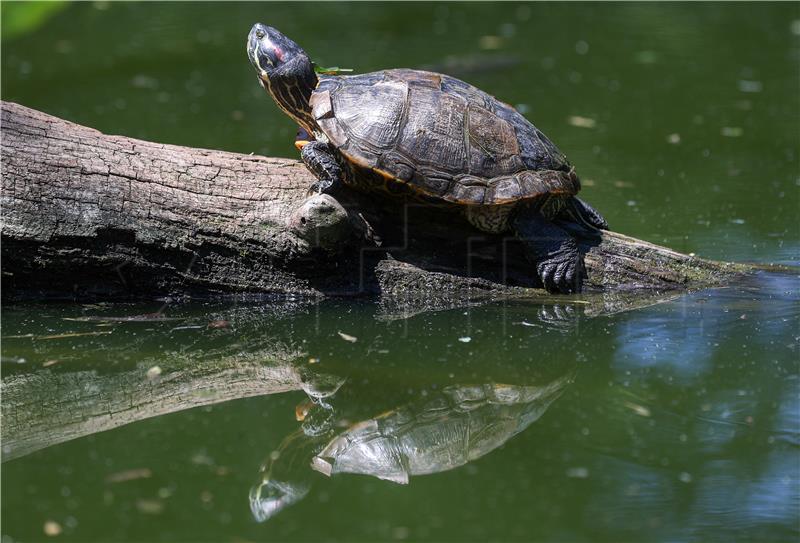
92	215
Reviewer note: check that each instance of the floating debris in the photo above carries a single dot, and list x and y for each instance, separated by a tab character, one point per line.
465	339
623	184
313	360
685	477
150	506
581	122
52	528
49	363
302	409
490	42
731	131
638	409
578	472
129	475
674	139
153	372
347	337
219	324
201	458
750	86
581	47
12	360
74	334
146	317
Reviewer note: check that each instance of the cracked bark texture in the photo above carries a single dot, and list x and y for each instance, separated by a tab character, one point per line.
89	214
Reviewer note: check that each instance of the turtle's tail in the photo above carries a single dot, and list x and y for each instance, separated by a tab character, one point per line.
585	215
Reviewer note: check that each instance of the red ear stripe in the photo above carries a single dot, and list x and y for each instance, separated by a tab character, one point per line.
279	53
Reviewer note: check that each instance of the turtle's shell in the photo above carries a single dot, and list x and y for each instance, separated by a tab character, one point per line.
440	136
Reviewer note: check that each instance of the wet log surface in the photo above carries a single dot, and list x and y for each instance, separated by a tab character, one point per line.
89	215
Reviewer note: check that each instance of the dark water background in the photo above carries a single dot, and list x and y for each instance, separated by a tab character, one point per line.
675	422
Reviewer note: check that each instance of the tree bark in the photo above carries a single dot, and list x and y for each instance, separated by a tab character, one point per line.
93	215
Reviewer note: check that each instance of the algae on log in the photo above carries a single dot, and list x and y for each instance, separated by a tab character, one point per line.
88	214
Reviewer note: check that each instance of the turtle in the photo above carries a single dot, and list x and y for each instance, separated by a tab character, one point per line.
430	136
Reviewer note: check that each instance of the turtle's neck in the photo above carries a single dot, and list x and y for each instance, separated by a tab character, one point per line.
291	87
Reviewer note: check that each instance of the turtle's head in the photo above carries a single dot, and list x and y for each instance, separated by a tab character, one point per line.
270	51
284	70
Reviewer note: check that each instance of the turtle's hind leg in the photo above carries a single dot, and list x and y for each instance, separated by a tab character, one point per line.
578	211
552	250
320	160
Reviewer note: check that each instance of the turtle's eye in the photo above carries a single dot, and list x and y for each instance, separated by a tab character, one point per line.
260	34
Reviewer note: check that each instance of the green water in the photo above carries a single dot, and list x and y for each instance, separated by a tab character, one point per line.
674	422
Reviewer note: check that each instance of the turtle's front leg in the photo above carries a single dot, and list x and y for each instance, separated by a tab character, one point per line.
319	159
552	250
582	213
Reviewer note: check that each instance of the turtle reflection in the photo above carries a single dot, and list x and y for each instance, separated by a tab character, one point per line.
435	432
285	476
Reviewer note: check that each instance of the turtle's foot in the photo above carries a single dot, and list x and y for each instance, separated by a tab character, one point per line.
324	186
553	251
563	270
319	159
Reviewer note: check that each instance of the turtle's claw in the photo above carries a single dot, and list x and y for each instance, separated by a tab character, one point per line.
545	270
562	273
322	186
